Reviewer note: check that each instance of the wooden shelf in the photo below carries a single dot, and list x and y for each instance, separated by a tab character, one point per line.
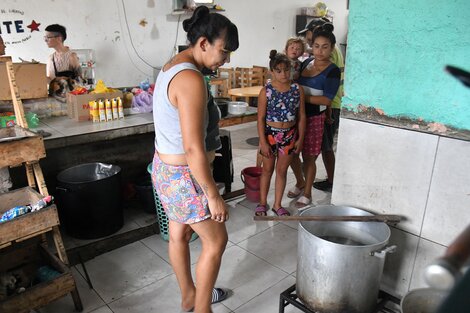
26	225
44	292
20	146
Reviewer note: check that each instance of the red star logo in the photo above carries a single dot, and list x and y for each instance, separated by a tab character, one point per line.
34	26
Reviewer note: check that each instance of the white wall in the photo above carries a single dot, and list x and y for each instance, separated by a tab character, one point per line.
101	26
423	177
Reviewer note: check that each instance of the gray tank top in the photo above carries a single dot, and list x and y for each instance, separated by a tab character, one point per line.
168	138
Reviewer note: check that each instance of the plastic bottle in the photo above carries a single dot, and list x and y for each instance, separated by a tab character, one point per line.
32	119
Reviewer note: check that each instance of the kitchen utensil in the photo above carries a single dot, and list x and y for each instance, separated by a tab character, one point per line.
340	264
333	218
424	300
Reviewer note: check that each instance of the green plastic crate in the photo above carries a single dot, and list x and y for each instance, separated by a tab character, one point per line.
161	215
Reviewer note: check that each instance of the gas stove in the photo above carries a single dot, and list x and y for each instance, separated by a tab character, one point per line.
289	296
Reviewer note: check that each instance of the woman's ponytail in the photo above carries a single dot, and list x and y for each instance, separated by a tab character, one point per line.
325	30
211	26
200	13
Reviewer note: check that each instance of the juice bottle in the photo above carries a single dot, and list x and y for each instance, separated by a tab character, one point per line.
94	111
120	107
114	105
109	110
102	112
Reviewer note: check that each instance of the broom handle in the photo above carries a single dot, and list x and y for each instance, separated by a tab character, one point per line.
333	218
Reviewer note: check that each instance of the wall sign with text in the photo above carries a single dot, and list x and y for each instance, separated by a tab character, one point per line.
16	27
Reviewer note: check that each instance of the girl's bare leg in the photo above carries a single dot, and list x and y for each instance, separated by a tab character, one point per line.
283	162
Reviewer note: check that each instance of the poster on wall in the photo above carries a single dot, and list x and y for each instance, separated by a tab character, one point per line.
16	28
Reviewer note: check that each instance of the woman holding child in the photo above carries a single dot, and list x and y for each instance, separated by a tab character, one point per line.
320	79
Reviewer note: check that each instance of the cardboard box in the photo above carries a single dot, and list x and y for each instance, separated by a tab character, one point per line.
77	105
30	78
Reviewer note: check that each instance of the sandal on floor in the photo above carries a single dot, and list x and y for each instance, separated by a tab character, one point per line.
218	295
323	185
294	192
261	210
281	212
303	201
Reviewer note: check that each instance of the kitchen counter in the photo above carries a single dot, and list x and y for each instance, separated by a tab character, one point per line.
65	131
127	142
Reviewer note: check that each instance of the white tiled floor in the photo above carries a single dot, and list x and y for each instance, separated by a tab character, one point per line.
259	262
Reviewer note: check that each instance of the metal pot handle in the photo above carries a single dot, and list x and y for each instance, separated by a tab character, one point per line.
61	189
383	252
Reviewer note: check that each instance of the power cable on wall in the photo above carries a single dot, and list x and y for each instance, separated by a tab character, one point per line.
127	50
130	37
173	51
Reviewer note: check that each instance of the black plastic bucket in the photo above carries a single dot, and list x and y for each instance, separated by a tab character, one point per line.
89	200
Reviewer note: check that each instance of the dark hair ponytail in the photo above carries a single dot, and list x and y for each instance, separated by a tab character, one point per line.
200	13
325	30
278	58
212	26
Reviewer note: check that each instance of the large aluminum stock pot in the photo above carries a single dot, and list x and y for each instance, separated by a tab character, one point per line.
340	264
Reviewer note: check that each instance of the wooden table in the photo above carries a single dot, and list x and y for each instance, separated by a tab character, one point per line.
245	92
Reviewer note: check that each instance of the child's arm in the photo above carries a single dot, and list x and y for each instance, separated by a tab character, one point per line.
328	118
318	100
301	122
264	148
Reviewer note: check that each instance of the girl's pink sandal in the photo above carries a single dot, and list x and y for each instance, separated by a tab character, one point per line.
281	212
261	210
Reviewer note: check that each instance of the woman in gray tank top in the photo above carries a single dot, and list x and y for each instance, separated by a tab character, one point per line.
181	172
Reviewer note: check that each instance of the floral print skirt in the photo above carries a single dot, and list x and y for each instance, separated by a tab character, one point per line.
281	140
181	196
